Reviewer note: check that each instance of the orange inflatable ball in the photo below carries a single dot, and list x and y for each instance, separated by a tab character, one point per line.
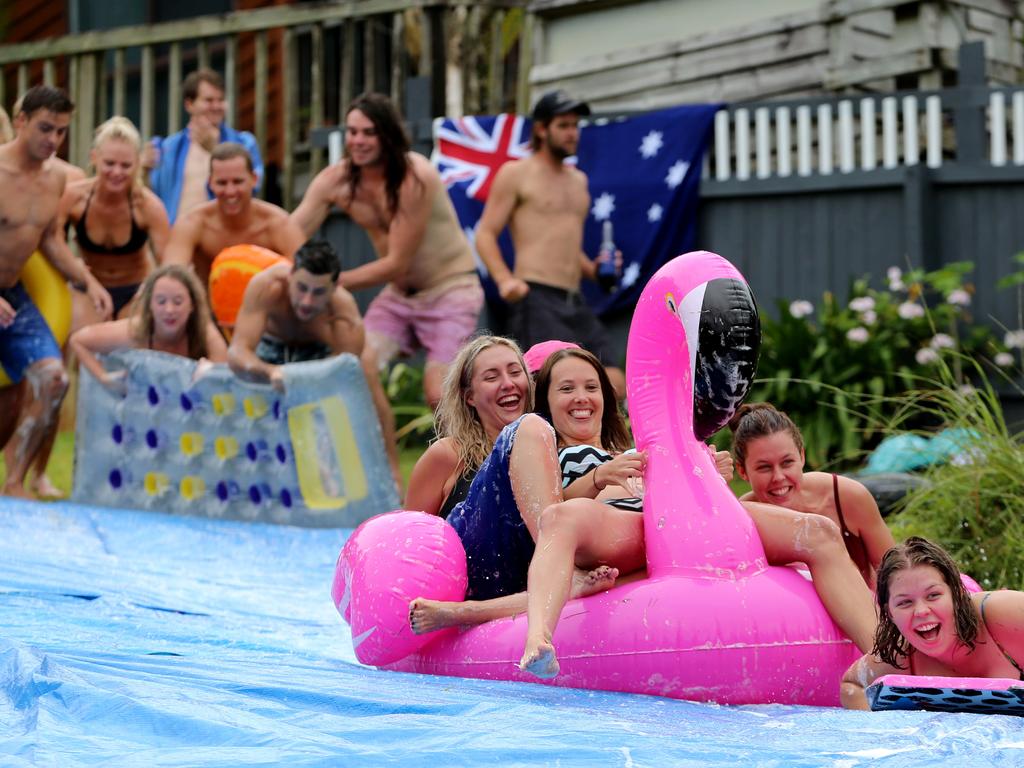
230	274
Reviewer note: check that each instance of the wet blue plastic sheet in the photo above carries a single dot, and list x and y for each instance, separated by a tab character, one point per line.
135	638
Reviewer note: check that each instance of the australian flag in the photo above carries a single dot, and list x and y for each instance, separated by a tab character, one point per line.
644	173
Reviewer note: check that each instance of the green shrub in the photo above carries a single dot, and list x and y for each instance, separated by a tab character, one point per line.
836	368
973	505
414	421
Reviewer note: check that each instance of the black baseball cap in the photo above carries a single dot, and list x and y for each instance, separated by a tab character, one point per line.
554	103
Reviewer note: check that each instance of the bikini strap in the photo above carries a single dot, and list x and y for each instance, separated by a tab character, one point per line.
1008	657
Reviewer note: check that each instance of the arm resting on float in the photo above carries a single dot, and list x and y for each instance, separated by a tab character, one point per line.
100	339
249	327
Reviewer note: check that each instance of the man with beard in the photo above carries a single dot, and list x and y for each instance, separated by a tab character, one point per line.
296	312
432	295
544	202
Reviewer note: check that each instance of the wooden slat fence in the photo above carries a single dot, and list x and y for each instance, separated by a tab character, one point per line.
375	45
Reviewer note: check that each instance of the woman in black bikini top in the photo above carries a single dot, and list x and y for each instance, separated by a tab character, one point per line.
118	223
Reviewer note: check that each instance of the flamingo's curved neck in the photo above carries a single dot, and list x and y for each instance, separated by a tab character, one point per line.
692	520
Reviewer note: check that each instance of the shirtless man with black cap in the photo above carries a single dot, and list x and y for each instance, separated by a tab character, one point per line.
544	202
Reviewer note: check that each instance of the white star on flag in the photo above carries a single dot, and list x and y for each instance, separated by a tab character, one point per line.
654	213
603	206
650	144
630	274
677	173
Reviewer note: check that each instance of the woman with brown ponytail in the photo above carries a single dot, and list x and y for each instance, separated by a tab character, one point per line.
768	450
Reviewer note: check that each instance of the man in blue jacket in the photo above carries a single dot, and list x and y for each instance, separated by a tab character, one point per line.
181	162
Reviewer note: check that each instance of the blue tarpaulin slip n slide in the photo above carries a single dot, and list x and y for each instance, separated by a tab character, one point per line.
142	639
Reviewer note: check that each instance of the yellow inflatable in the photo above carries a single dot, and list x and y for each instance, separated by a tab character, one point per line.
230	274
49	290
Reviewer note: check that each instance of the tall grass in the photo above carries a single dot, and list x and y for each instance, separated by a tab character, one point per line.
974	504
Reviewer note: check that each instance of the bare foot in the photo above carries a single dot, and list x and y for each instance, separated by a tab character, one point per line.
591	582
16	490
46	490
431	615
540	660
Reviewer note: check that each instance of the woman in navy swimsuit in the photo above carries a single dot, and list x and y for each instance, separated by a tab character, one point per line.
930	625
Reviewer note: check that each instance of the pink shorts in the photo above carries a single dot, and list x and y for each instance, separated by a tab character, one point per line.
438	319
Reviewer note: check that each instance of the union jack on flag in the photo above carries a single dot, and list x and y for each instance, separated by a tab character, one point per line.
470	150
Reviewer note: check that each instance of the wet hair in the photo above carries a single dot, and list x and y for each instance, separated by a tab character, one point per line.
890	644
190	86
614	434
120	128
754	420
228	150
44	97
198	319
455	417
318	257
394	143
6	130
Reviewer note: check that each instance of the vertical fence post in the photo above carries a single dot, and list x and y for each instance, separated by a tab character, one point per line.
119	82
783	143
348	67
868	153
74	66
290	98
741	119
803	140
723	150
1018	127
997	128
933	131
825	139
231	78
259	116
23	80
174	89
969	112
525	63
911	143
397	58
762	142
890	158
496	66
148	89
316	101
847	152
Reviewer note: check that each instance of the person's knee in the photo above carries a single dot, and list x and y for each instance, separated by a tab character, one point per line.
48	381
819	536
565	517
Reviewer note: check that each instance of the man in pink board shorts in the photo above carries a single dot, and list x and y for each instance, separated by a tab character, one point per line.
432	297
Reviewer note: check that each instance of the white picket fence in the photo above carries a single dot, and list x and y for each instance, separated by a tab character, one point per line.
763	142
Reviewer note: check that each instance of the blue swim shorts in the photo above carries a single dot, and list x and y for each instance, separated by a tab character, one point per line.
28	339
